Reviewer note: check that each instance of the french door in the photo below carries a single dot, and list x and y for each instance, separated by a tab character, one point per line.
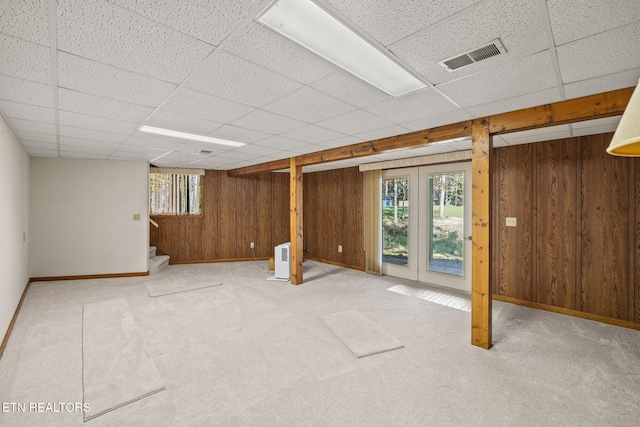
426	224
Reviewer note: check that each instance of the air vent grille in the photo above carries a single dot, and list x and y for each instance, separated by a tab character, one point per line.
205	152
492	49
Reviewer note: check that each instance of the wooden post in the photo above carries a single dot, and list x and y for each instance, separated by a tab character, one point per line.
481	147
296	220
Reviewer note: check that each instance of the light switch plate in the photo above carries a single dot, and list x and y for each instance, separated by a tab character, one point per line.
136	217
512	222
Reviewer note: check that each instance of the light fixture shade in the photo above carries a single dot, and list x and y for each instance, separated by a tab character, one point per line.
189	136
626	140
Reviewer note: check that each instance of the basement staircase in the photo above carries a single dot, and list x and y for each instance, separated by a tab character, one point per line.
157	263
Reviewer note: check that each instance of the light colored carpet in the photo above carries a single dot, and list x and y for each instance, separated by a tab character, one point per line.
117	367
161	287
360	334
254	353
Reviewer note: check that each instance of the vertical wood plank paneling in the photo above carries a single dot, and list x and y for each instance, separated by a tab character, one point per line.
605	230
228	202
515	199
556	222
280	208
210	215
246	211
264	223
334	216
310	212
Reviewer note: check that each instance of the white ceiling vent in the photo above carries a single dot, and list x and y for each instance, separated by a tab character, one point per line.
492	49
205	152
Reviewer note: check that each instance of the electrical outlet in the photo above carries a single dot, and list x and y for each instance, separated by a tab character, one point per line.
136	217
252	245
340	248
512	222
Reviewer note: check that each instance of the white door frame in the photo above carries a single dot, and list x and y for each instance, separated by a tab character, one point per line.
424	275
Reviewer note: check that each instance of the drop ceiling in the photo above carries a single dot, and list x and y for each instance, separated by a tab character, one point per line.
78	78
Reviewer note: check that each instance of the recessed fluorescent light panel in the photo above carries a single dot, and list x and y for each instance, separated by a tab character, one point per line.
190	136
310	26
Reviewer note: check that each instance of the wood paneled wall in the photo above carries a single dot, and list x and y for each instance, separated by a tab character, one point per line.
235	212
333	216
577	241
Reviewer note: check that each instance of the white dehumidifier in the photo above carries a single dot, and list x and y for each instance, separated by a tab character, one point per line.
281	258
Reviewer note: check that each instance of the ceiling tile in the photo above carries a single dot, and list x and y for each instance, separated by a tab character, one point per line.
136	149
234	155
40	145
572	21
265	121
516	22
25	60
168	120
312	134
270	50
613	49
41	152
84	75
124	155
357	121
27	112
206	20
536	135
26	92
350	89
31	126
140	139
309	105
81	155
195	147
68	118
103	107
281	143
390	21
615	81
205	106
91	135
230	77
528	75
257	150
438	120
592	127
413	106
108	34
37	137
26	19
499	142
83	142
234	133
84	150
340	142
517	103
383	133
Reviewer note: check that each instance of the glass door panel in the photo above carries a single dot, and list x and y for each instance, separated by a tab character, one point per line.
445	231
395	221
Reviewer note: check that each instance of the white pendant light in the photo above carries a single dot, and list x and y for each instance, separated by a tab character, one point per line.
626	140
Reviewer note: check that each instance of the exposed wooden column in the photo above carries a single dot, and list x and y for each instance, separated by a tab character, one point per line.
481	147
296	220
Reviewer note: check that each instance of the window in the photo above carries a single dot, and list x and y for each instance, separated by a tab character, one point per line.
175	191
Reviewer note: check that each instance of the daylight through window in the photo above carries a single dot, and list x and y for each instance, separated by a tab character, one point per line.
172	193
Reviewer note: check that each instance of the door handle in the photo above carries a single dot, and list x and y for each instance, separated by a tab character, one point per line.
469	238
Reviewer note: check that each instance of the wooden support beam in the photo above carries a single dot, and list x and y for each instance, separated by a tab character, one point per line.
296	220
400	142
590	107
260	168
481	147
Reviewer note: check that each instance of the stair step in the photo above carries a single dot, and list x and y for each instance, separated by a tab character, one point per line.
158	263
152	251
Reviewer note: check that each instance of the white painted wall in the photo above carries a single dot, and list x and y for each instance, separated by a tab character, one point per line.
82	217
14	221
